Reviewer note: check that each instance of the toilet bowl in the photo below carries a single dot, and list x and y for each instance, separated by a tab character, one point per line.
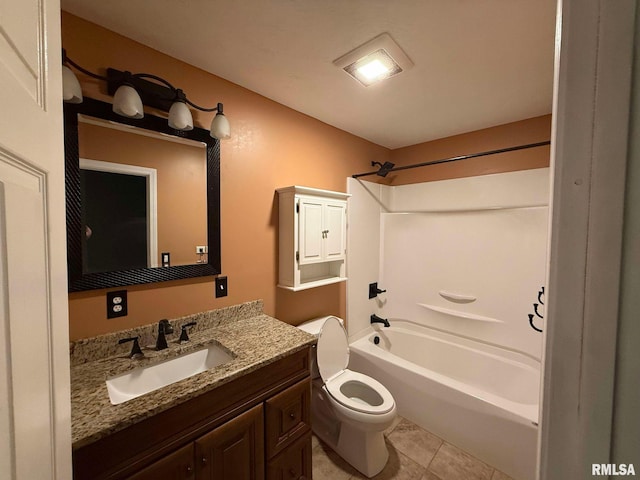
350	410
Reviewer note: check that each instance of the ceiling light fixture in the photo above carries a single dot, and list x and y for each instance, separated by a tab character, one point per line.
132	90
376	60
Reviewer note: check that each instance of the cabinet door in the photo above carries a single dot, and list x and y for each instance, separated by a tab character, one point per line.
310	231
335	230
234	450
175	466
294	463
287	417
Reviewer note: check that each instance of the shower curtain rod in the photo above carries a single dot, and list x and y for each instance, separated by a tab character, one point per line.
455	159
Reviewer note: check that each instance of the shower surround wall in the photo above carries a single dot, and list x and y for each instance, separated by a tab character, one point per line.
462	262
464	256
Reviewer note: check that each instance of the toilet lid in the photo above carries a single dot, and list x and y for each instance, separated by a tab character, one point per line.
333	349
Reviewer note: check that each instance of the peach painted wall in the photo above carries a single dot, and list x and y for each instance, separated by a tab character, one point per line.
272	146
181	177
533	130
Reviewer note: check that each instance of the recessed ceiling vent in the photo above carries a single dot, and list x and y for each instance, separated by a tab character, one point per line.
375	60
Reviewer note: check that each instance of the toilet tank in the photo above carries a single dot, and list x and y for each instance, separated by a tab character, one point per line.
313	327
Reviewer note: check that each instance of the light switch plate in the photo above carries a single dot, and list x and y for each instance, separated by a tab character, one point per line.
221	287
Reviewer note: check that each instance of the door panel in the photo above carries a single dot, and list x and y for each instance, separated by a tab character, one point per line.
175	466
35	427
335	236
310	231
25	319
234	450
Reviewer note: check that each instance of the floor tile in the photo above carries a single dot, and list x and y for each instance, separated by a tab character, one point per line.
398	467
498	475
315	441
328	465
451	463
430	476
395	423
416	443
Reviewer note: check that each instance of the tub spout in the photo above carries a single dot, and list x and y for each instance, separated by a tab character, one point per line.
377	319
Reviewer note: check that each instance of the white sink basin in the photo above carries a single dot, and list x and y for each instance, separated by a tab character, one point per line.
147	379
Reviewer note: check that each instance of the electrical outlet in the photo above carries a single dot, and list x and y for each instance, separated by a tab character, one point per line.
117	304
200	249
166	259
221	287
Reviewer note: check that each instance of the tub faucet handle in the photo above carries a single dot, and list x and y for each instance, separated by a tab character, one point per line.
374	291
377	319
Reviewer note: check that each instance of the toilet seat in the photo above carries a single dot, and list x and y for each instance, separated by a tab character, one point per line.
354	390
382	399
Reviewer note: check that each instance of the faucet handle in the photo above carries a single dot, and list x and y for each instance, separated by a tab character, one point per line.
183	335
135	349
165	326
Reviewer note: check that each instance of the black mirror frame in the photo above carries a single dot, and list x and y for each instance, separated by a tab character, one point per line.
78	281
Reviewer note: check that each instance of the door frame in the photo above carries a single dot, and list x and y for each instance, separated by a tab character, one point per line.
592	87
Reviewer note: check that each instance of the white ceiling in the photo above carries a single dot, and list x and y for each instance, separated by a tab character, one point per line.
478	63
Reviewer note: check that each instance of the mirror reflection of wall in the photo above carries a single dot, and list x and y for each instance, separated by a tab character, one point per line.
181	200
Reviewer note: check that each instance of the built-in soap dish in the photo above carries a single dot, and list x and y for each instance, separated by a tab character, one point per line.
457	297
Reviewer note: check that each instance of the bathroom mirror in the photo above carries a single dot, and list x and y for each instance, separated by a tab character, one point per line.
143	200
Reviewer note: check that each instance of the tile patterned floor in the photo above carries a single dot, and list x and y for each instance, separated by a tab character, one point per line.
414	454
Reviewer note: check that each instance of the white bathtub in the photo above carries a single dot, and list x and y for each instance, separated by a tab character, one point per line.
481	398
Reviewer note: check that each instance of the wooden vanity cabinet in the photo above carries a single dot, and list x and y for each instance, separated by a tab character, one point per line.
233	450
255	427
178	465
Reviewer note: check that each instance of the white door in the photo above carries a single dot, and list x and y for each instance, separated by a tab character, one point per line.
35	433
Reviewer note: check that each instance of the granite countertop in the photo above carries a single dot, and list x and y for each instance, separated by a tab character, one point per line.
251	337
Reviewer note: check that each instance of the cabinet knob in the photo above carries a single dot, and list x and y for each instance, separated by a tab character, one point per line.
204	460
189	469
292	416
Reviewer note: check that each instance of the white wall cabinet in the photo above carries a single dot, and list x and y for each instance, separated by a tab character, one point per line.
312	237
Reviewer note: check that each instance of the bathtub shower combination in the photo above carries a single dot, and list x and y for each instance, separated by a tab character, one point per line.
461	261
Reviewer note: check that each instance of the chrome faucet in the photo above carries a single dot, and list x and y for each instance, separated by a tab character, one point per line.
163	327
377	319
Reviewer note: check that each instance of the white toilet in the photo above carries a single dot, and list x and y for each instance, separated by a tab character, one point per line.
349	410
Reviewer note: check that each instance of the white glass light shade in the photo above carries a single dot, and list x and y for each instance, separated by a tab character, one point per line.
127	102
71	91
180	116
220	127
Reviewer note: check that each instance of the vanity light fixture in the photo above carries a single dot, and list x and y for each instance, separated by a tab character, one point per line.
376	60
133	90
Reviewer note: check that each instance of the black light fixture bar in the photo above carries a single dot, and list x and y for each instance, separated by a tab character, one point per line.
159	94
453	159
152	94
